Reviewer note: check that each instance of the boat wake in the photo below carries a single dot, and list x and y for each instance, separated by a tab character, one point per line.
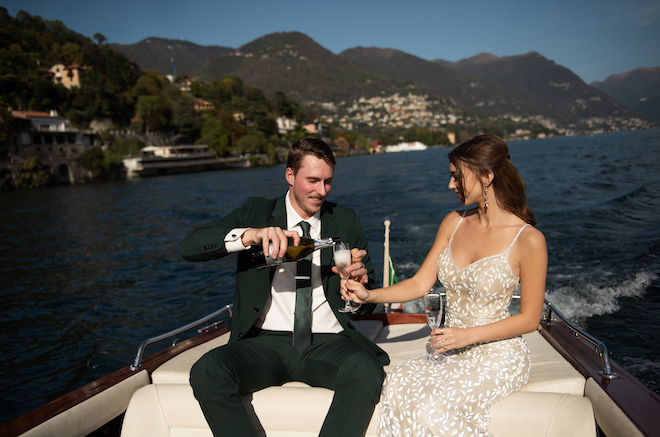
585	297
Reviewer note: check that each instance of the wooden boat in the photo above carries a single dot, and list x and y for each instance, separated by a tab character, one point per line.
574	388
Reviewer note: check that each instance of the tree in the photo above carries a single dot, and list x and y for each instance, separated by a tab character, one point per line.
6	127
100	39
34	173
342	146
92	160
185	119
252	144
151	112
288	107
216	136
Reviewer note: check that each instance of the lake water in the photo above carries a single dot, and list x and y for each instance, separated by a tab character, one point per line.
90	271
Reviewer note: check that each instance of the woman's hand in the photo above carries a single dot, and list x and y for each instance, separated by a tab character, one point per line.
446	339
352	290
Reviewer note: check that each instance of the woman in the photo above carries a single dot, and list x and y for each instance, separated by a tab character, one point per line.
481	256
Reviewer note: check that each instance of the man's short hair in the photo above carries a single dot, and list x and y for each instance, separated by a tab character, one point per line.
309	146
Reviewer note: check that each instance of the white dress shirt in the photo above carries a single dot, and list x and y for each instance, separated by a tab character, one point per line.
278	313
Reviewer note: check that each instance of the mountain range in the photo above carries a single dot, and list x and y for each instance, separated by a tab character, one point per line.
524	85
639	89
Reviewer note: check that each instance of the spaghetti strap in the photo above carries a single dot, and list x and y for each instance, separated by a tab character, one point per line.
517	235
456	228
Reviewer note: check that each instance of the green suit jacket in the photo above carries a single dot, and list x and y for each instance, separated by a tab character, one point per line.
253	285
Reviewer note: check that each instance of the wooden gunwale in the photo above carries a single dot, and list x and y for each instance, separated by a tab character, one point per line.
639	403
27	421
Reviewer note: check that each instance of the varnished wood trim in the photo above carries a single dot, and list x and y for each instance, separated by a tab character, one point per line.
638	402
394	318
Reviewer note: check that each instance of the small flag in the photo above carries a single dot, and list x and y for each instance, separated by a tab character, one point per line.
393	278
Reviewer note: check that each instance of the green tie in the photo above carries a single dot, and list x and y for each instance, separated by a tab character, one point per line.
302	324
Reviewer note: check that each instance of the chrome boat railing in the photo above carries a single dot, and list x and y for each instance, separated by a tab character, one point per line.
138	357
599	346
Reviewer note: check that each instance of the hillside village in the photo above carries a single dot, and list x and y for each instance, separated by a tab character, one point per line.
408	111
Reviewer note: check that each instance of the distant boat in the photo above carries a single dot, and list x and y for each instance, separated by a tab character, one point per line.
178	159
405	147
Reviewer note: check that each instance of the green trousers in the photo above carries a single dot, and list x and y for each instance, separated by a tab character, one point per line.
267	358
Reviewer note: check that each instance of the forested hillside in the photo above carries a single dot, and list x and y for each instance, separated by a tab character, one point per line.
29	46
115	95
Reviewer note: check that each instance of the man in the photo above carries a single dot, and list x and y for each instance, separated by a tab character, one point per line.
270	343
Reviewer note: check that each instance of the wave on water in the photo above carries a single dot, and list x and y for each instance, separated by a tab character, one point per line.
585	297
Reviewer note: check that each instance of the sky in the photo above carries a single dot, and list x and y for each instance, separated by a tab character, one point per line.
592	38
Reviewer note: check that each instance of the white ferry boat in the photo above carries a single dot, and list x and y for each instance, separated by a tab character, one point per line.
163	160
405	147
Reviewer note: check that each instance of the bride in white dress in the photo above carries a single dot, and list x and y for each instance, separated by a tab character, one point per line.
481	256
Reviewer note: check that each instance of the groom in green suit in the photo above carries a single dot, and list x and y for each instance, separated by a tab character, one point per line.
286	325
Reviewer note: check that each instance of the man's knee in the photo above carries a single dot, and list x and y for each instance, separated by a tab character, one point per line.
365	369
199	373
208	370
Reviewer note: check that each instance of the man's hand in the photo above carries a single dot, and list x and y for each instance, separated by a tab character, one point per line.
278	237
356	271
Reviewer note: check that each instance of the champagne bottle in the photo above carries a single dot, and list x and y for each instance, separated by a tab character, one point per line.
293	253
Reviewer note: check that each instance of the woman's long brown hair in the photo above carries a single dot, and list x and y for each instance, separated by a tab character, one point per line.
485	153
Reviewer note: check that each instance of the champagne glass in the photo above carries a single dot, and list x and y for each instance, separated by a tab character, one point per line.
342	254
433	305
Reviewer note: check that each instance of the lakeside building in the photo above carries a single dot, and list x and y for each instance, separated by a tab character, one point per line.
203	105
68	76
317	128
51	139
285	125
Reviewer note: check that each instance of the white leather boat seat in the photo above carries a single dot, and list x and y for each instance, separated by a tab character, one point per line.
551	405
550	373
170	410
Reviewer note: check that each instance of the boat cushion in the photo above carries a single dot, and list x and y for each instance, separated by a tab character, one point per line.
542	414
171	410
550	373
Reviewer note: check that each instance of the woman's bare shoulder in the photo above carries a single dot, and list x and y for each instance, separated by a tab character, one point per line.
451	219
449	223
532	239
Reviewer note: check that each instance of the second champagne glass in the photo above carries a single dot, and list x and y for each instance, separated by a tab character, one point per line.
342	254
433	305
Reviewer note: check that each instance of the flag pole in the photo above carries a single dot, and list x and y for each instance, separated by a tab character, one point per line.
386	253
386	261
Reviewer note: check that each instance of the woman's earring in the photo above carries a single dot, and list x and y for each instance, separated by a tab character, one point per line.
485	197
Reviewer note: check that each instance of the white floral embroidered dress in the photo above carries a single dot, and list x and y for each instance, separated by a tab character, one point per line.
453	398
